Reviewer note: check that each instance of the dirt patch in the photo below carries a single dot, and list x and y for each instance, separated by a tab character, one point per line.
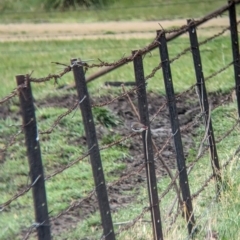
113	30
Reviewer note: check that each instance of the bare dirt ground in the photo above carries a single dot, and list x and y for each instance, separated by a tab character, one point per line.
113	30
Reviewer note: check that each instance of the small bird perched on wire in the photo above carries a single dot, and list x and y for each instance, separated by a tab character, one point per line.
138	127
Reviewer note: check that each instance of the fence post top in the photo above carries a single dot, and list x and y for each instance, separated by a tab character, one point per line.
160	33
20	79
73	60
20	75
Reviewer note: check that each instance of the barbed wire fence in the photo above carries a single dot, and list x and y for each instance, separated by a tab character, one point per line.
182	205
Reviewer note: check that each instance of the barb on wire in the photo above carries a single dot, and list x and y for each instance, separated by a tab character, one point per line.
219	71
69	164
12	140
78	62
19	194
12	94
118	141
35	225
59	118
51	76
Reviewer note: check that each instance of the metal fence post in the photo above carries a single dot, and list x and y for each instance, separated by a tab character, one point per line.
235	49
147	143
183	177
92	142
34	158
204	104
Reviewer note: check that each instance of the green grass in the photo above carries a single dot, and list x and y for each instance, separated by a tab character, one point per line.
33	11
38	57
65	143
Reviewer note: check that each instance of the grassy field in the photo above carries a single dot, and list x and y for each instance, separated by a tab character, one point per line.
62	147
33	11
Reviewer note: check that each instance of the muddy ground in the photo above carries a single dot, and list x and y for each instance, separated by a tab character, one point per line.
120	195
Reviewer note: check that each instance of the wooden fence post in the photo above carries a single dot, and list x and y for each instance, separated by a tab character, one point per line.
34	158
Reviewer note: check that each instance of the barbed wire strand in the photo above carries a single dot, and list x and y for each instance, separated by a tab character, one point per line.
12	94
